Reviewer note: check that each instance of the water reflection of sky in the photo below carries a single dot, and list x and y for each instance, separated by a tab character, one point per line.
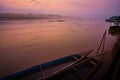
28	43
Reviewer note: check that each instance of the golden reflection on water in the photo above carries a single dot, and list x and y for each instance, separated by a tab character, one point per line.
28	43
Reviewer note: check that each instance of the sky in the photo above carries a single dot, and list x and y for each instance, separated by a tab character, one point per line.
63	7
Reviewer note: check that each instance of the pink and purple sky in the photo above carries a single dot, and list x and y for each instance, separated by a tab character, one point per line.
64	7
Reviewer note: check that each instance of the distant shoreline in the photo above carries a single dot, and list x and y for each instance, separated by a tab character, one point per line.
11	16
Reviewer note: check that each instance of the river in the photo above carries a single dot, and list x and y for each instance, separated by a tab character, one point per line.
26	43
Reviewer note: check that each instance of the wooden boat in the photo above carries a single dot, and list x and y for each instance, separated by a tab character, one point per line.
60	20
39	71
79	70
115	20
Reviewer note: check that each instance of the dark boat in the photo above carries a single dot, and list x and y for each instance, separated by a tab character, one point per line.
115	27
60	20
79	70
115	20
42	70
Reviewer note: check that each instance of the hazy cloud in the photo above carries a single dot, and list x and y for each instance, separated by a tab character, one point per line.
62	6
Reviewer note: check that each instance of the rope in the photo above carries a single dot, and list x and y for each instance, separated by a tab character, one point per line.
102	42
42	71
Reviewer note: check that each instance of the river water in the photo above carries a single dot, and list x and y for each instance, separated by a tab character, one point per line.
26	43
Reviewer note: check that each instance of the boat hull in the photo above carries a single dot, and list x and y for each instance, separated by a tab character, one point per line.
47	68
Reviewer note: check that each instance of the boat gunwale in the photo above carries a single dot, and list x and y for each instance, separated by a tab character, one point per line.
73	65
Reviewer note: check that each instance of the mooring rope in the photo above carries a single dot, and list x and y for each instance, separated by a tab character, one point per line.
102	42
42	71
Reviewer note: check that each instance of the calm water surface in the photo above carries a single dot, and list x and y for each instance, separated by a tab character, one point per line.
27	43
